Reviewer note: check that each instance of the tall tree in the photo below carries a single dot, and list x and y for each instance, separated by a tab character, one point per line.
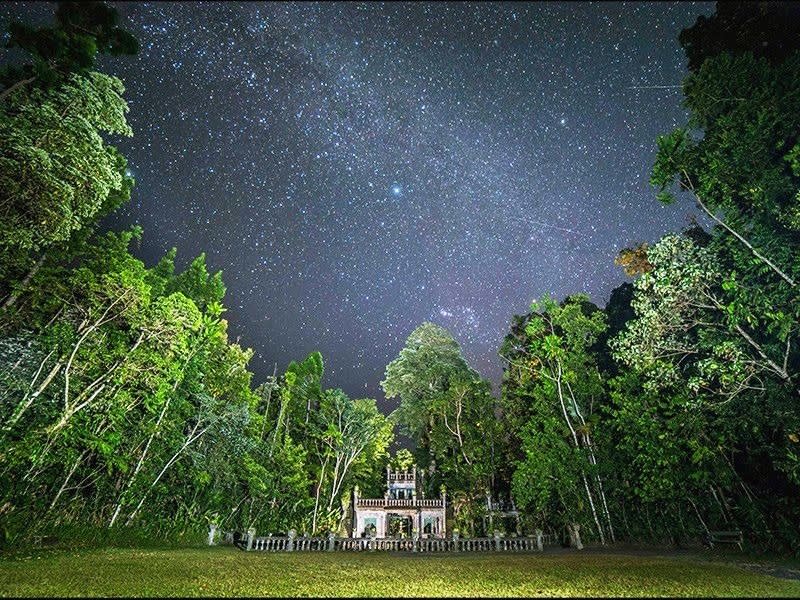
58	175
447	409
562	384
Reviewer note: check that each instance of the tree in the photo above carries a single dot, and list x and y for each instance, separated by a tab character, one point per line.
717	318
58	175
403	460
82	30
448	410
703	365
562	384
349	431
56	172
765	29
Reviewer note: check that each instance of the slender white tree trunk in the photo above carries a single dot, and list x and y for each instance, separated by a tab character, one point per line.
316	500
70	473
29	397
140	462
170	462
590	447
12	298
577	445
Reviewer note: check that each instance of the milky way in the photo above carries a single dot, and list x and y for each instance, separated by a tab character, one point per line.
357	169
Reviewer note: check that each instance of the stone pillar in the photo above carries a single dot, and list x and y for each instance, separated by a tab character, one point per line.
443	492
455	540
575	535
489	510
212	532
292	534
415	540
251	536
331	541
539	540
496	540
371	543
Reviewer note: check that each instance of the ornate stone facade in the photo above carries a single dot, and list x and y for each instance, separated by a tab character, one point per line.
402	512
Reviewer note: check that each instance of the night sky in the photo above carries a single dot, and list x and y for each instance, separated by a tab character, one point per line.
357	169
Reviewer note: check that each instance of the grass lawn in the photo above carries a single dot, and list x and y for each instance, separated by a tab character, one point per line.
225	571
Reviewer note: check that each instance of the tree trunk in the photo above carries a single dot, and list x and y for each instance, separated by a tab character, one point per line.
139	463
12	298
577	445
66	479
170	462
575	536
688	186
316	500
699	518
29	398
18	84
588	442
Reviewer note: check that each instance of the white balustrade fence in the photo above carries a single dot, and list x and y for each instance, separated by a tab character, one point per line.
293	543
399	503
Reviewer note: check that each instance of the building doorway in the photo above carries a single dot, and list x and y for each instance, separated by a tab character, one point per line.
399	526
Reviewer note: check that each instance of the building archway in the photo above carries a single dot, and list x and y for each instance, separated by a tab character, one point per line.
399	526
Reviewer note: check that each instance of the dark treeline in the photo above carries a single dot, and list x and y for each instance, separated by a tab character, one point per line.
126	411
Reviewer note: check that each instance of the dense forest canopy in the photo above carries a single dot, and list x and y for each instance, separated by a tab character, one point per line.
671	411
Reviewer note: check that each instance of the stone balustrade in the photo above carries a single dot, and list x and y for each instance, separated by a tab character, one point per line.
400	503
292	543
399	476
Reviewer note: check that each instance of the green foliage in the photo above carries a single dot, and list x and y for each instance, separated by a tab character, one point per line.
56	172
125	409
403	460
704	406
124	406
448	410
81	31
551	387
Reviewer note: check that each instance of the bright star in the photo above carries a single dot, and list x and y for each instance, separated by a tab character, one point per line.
396	189
563	121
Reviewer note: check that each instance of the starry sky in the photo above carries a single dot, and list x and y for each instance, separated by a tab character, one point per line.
355	169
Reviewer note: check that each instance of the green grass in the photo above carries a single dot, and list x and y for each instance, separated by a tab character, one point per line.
224	571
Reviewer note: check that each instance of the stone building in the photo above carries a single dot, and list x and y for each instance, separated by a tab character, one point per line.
402	512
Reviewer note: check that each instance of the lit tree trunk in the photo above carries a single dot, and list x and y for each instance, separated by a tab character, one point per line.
699	518
29	397
577	446
192	437
278	423
316	500
70	473
12	298
589	446
140	462
17	85
690	187
457	431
